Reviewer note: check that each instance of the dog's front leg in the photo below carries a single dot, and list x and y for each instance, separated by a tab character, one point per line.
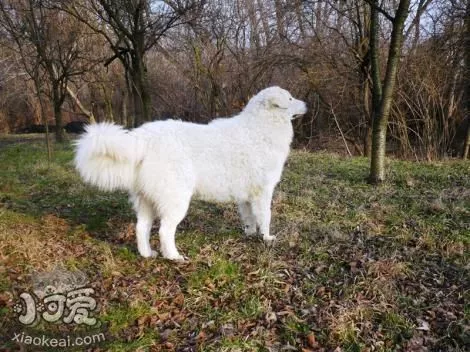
262	211
248	218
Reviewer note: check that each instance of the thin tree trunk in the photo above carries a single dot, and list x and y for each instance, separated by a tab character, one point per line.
137	118
379	128
108	103
374	59
466	146
415	24
124	109
376	81
140	94
362	41
56	101
368	141
281	31
264	21
254	32
300	19
367	151
44	119
129	96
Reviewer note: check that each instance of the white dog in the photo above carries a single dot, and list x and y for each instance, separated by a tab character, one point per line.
164	164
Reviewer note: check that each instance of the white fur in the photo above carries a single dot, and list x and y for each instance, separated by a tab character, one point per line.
164	164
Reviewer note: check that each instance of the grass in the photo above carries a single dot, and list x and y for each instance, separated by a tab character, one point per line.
356	267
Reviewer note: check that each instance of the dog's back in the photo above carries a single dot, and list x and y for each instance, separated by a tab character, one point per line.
226	160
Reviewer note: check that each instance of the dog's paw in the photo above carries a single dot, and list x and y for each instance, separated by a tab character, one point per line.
151	254
249	230
176	258
269	240
250	233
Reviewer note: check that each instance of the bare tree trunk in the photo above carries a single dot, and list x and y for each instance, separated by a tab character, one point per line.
362	45
300	19
56	102
124	113
466	147
382	106
422	6
139	91
280	19
367	118
375	71
264	21
108	104
43	117
254	32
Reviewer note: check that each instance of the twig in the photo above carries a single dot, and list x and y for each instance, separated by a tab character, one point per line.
340	131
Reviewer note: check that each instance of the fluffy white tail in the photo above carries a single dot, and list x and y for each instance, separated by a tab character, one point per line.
107	155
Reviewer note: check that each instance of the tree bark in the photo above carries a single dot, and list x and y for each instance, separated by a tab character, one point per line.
382	99
57	103
123	114
139	84
44	120
140	97
108	104
300	19
255	40
466	146
367	143
281	31
367	150
376	84
264	21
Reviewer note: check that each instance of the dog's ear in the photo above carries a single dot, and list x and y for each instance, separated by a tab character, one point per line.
275	103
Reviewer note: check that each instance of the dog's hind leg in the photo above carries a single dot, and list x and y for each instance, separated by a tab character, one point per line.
171	215
247	217
145	218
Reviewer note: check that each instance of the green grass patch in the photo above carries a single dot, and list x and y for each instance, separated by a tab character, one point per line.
358	266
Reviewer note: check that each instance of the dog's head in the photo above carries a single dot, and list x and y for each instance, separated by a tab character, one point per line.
278	102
